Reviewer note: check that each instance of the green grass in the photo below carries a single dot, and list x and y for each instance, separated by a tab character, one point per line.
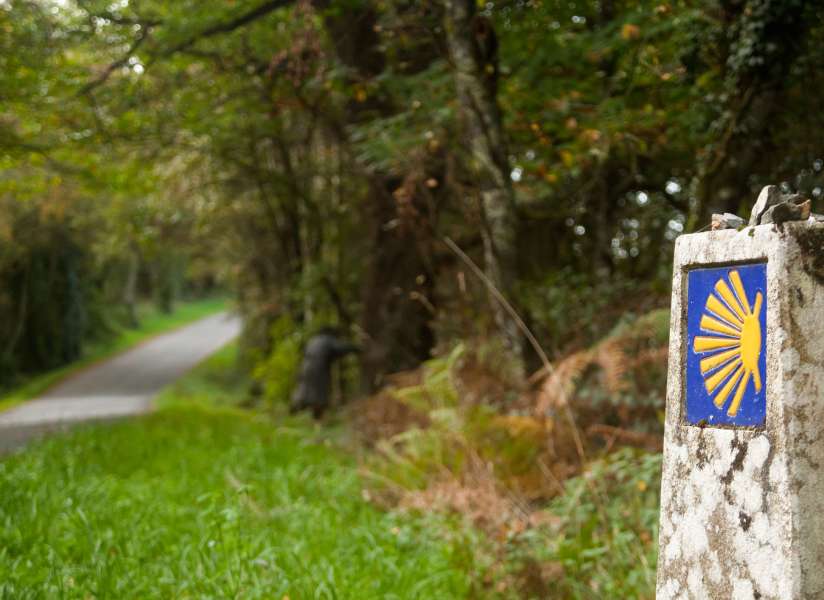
216	382
152	323
198	501
203	500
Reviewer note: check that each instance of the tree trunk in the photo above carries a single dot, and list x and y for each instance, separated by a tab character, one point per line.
130	288
473	50
398	291
399	283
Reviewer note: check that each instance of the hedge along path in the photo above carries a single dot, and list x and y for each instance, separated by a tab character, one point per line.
121	386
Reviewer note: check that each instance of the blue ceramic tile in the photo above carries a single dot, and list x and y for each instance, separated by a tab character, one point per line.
726	346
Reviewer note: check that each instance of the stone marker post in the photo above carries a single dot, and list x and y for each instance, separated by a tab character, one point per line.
742	496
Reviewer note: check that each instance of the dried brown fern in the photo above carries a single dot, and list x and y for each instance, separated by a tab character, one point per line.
612	358
556	389
618	359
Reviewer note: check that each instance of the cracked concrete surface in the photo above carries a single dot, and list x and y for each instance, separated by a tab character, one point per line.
121	386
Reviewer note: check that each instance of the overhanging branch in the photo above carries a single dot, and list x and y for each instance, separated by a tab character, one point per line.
146	27
228	26
119	63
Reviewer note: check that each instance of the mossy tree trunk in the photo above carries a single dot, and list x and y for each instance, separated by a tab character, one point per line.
473	50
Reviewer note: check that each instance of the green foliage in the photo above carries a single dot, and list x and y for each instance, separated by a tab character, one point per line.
49	294
414	457
619	381
168	280
437	390
290	143
652	327
291	149
273	135
596	539
606	533
424	119
278	370
636	350
576	309
459	434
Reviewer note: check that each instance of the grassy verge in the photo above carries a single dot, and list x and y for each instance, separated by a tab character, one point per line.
152	323
199	500
202	499
215	383
555	529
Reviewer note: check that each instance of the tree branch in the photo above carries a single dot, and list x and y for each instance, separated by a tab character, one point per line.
120	62
146	26
229	26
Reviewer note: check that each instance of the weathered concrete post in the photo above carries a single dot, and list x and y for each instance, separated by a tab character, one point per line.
742	502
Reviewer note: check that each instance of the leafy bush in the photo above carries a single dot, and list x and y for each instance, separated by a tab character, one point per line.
556	525
600	536
49	287
619	381
278	370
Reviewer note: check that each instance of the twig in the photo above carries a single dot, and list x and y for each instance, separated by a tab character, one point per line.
576	433
500	298
551	476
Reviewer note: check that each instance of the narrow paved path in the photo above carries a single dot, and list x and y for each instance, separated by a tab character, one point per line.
121	386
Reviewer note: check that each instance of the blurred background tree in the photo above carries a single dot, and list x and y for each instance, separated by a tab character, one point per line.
317	153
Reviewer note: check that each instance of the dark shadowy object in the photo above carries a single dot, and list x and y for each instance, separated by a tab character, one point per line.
312	390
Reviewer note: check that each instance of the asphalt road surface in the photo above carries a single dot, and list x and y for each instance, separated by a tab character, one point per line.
121	386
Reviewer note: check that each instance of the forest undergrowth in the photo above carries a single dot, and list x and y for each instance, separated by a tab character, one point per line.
561	474
452	482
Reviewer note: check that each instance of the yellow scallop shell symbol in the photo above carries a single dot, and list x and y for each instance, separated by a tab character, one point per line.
733	342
